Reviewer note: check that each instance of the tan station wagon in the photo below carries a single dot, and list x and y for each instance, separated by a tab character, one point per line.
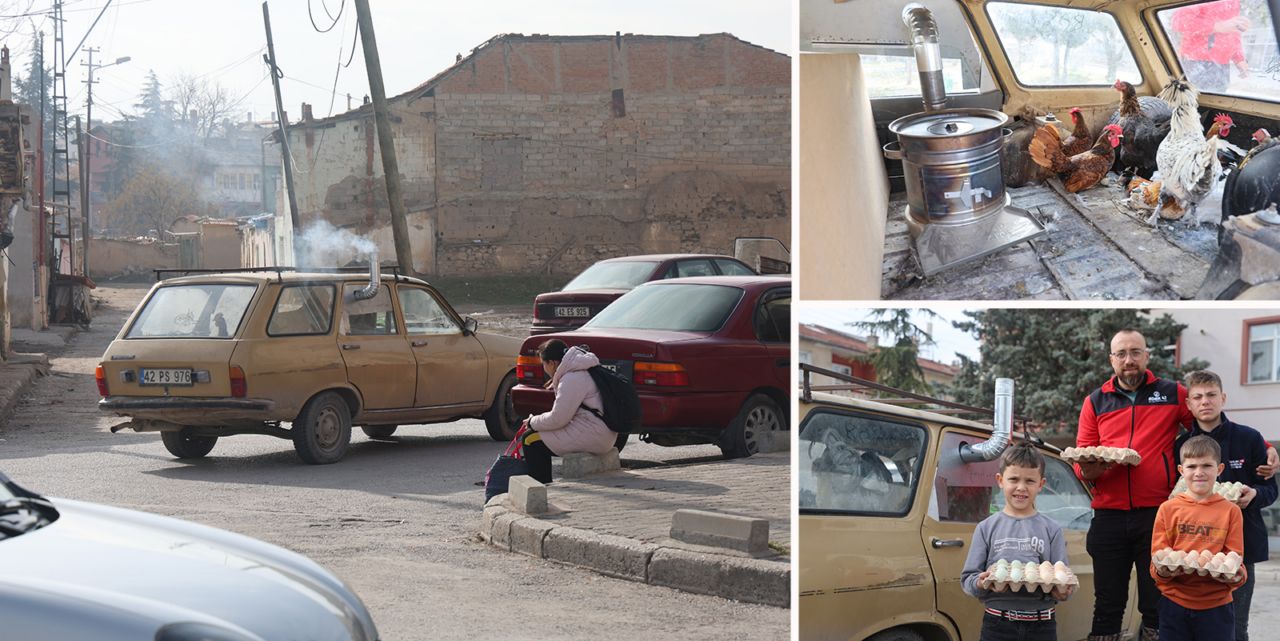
244	352
889	498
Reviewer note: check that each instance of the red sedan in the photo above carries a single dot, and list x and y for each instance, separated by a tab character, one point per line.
709	356
603	282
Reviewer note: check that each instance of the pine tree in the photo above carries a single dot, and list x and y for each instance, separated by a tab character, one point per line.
155	120
1056	357
897	365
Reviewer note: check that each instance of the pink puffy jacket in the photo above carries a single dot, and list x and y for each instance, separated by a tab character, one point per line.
567	427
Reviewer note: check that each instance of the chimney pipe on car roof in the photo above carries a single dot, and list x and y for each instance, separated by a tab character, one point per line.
1001	430
371	290
924	36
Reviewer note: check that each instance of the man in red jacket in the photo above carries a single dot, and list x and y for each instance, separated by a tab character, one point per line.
1137	410
1210	43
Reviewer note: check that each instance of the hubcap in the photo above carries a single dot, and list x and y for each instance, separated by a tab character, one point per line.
761	429
328	427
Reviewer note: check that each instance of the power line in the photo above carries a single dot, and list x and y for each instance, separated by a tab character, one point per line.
326	10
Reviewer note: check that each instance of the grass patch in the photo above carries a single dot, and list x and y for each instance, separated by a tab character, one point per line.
784	550
496	290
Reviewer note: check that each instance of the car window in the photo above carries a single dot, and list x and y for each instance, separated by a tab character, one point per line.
1063	498
685	308
368	317
302	310
193	311
773	318
423	314
700	267
1226	47
617	275
964	492
1050	46
733	268
856	463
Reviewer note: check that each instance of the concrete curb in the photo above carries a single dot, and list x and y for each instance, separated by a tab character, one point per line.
16	376
730	577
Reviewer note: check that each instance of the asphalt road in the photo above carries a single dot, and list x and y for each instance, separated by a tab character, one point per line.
396	520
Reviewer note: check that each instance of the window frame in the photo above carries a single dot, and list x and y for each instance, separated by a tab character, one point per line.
1004	51
925	449
439	300
1247	326
392	307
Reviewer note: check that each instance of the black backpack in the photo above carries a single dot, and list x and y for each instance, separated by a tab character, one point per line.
621	403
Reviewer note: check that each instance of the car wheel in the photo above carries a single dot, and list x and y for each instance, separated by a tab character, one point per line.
500	419
897	634
182	444
379	431
322	432
758	427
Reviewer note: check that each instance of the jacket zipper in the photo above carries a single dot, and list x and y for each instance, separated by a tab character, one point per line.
1168	476
1133	421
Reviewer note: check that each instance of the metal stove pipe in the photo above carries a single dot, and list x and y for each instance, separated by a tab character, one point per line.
924	36
371	290
1002	430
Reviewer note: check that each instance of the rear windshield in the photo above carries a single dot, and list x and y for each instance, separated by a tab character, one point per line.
193	311
620	275
682	308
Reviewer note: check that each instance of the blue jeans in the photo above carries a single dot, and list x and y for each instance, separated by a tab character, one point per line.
995	628
1182	624
1242	597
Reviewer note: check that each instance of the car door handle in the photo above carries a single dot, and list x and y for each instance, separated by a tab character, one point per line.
948	543
350	346
421	343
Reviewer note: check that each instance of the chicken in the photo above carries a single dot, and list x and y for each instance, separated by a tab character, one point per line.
1145	194
1188	164
1255	184
1083	170
1080	138
1144	122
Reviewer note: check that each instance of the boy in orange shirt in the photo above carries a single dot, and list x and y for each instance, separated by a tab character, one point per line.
1194	607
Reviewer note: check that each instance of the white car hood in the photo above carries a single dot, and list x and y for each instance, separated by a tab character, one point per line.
134	572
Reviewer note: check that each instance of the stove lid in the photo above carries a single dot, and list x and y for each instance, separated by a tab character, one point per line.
948	123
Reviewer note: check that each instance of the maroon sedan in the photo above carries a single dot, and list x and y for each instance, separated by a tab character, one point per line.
603	282
709	356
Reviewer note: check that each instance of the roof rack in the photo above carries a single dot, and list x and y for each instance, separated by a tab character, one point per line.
394	270
903	397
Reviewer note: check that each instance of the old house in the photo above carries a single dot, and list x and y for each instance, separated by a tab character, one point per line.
844	353
547	153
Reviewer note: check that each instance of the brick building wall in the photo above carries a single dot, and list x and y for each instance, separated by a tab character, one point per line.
548	153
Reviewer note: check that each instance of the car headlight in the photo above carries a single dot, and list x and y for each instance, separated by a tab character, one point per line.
192	631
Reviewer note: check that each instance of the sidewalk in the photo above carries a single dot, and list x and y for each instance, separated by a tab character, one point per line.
619	523
28	360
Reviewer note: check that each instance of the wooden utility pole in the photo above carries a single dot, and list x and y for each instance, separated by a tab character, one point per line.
283	121
390	168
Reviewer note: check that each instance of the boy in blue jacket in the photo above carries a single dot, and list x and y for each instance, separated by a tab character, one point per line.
1243	450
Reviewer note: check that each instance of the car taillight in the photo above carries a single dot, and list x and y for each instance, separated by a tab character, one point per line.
101	377
661	374
239	386
535	311
529	370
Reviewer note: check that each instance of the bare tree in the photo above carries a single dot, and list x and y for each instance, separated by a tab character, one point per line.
211	103
152	200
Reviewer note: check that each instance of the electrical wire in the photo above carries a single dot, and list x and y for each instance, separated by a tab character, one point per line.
326	10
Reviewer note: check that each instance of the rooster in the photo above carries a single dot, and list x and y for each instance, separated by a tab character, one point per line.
1080	171
1080	138
1188	163
1145	194
1145	122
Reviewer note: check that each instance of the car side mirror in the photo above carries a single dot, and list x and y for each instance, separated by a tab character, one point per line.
469	326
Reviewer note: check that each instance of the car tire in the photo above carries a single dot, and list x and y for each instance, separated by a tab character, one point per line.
379	431
500	419
322	432
184	445
757	427
897	634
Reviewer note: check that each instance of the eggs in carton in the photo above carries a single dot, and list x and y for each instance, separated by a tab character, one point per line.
1199	562
1230	491
1103	454
1012	576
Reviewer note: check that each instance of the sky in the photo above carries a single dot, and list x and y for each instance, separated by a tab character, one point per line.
948	340
223	41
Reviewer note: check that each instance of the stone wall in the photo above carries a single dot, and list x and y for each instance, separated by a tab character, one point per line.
549	153
130	259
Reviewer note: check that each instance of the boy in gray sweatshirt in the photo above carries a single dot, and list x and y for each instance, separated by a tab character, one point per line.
1017	533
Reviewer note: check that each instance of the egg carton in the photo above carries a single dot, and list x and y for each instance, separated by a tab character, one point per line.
1101	454
1012	576
1199	562
1230	491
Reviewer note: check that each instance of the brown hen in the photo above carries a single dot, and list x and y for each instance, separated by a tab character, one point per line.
1080	171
